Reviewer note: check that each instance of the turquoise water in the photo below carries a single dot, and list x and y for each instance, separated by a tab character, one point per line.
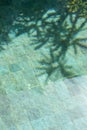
43	67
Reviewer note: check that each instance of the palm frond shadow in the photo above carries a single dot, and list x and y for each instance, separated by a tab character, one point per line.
62	38
21	13
1	48
50	24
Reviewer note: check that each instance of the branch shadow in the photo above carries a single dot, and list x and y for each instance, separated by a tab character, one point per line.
62	38
46	22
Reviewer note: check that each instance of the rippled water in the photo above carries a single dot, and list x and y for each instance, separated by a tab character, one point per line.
43	67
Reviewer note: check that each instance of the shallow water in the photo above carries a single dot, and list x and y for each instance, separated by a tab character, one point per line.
29	101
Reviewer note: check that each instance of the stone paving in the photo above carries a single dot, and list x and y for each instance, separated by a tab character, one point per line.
26	105
60	106
16	66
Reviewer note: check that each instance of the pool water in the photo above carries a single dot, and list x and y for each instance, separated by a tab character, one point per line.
31	97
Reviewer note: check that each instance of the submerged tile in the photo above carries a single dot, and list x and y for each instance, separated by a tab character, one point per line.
3	70
14	67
